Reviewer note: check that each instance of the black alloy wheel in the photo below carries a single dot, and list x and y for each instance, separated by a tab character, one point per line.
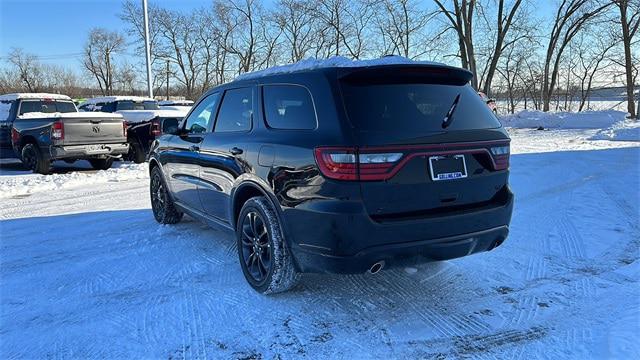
162	205
256	247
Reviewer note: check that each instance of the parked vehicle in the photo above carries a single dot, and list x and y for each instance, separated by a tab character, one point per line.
41	128
175	104
491	103
144	118
339	170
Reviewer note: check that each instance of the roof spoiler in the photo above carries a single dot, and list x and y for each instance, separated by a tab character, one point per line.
405	74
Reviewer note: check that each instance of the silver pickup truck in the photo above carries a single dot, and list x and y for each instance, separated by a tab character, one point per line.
41	128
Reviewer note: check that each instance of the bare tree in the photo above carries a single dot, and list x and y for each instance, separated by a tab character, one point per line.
401	24
295	18
505	19
98	57
571	16
629	22
592	52
181	46
28	68
239	19
131	14
460	19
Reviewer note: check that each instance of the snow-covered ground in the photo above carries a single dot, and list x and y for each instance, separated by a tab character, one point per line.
86	272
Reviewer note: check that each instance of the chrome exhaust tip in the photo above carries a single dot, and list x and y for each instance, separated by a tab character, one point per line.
376	267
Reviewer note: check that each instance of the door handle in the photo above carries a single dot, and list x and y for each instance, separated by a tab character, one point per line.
194	148
235	151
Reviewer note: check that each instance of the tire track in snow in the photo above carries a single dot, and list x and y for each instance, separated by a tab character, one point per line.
536	268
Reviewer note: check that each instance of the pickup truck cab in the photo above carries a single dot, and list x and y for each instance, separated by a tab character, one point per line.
39	128
144	118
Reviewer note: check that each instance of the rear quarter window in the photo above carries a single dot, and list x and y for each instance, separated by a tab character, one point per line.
288	107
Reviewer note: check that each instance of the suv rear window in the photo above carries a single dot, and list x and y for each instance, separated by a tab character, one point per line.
46	106
288	107
413	110
136	105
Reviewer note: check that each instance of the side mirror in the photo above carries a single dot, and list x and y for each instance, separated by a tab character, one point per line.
171	126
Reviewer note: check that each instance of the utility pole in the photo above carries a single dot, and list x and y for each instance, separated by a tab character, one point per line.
167	79
147	48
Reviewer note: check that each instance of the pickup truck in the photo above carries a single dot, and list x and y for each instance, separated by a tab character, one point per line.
145	120
40	128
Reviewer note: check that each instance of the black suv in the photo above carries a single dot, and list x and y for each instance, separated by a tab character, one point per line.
339	170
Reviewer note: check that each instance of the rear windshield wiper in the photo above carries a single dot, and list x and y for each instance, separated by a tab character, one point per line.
448	119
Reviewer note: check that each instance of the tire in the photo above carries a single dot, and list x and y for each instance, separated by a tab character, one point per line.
101	164
33	159
136	153
265	260
164	211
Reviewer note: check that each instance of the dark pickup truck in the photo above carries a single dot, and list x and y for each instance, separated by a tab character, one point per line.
144	118
41	128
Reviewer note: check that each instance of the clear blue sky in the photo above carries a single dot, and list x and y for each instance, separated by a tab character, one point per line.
56	30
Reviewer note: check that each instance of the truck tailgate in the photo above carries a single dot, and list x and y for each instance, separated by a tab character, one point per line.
92	128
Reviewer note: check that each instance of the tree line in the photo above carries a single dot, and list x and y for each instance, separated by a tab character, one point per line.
514	53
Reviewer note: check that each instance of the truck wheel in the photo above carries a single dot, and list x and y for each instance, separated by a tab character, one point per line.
265	260
136	153
161	203
101	164
33	159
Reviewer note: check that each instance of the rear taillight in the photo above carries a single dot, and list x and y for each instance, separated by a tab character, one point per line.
351	164
501	156
125	125
57	130
154	130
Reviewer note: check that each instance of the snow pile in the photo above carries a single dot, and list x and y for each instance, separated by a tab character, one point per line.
11	186
335	61
69	115
563	120
622	131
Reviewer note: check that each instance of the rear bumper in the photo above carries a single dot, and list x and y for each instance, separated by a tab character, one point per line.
88	151
349	241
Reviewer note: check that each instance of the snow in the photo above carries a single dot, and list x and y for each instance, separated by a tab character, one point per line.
16	96
622	131
26	184
108	99
335	61
87	273
135	116
164	103
563	120
69	115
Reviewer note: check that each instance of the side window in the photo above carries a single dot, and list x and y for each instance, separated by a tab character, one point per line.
201	117
236	111
29	106
288	107
5	110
